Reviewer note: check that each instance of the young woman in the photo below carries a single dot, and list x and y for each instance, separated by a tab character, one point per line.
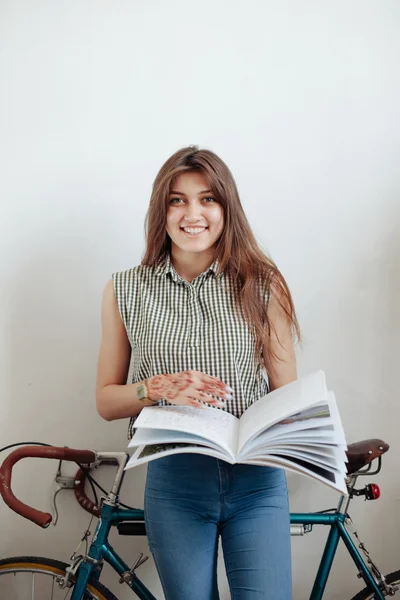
206	317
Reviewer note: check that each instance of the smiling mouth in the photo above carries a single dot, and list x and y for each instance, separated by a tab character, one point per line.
193	231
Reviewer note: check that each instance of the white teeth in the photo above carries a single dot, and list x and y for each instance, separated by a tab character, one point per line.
194	230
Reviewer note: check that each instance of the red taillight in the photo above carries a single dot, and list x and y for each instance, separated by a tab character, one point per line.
373	491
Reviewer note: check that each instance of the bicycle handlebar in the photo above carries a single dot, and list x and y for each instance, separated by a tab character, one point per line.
79	488
40	518
83	500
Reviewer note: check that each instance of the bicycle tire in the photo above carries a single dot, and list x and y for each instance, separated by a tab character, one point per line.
368	594
50	567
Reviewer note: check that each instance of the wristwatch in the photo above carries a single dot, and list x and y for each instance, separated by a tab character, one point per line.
143	393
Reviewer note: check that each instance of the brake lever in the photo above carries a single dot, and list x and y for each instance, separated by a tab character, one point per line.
61	482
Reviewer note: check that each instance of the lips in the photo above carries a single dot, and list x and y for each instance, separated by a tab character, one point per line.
194	230
195	227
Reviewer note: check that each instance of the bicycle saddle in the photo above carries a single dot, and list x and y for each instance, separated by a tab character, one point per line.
362	453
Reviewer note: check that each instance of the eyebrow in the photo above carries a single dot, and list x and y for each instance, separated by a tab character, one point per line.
182	194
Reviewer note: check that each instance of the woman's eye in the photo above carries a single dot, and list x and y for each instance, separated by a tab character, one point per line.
207	200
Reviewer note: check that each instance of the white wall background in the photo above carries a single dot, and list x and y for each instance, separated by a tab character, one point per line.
301	99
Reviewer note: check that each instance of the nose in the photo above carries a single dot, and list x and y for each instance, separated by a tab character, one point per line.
192	212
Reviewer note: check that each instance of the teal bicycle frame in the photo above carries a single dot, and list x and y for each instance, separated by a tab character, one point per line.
338	531
101	550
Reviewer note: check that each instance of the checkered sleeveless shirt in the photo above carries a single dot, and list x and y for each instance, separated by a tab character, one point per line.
174	325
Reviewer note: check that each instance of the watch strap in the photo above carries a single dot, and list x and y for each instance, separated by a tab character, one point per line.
143	393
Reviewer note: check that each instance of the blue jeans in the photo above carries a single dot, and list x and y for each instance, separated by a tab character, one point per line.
190	500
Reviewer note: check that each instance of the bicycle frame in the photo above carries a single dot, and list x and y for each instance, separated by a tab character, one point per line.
101	550
336	522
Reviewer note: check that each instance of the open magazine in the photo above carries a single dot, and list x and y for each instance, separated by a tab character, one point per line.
296	427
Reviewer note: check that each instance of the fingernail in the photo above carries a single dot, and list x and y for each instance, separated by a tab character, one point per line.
228	396
229	389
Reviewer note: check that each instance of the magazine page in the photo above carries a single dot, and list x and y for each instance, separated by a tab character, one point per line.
218	426
327	433
333	408
152	437
144	454
281	404
328	462
325	436
317	417
334	452
330	479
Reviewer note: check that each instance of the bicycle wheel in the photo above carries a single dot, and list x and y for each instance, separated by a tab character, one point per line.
35	578
366	594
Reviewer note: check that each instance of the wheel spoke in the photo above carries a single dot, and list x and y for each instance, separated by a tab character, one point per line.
28	578
67	594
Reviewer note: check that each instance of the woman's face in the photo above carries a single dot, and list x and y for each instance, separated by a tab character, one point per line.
195	220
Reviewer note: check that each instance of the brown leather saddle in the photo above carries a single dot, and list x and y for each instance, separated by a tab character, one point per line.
363	453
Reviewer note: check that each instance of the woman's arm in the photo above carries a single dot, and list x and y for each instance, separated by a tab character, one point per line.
284	370
115	399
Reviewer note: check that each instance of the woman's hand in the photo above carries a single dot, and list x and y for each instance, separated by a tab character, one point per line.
192	388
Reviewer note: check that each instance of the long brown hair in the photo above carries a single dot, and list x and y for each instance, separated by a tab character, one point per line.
254	276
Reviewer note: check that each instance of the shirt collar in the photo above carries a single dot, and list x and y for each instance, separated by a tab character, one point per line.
165	266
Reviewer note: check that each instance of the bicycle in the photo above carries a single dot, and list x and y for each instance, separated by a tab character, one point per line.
81	577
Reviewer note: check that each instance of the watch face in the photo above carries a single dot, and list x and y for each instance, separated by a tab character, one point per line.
141	392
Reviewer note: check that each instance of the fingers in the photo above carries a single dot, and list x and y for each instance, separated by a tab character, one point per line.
191	387
205	397
222	392
213	385
204	403
209	386
196	403
200	399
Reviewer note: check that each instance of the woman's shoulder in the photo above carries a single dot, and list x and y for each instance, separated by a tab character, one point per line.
132	273
137	277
